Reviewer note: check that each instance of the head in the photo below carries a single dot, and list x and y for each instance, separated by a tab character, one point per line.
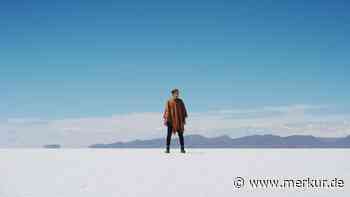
175	93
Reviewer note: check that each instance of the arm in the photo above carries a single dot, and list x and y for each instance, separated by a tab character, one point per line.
166	113
184	111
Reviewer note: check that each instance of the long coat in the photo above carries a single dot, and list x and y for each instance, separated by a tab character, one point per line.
175	114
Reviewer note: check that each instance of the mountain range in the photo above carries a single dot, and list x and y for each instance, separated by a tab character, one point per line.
253	141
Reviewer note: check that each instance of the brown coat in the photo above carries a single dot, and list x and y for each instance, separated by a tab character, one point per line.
175	113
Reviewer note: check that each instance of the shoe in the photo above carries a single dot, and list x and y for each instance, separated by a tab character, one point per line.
167	150
183	150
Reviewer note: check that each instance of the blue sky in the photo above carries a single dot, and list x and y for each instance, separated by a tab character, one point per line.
72	59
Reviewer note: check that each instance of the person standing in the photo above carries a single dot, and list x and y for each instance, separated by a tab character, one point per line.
175	115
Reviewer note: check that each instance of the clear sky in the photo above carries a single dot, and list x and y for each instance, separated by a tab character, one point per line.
73	59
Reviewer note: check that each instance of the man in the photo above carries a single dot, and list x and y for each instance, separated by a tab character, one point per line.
175	115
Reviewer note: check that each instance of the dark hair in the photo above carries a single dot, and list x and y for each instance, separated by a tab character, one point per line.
174	90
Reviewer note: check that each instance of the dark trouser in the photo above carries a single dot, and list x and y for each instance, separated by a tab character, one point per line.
168	137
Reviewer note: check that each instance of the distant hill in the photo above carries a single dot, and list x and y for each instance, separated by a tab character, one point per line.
253	141
53	146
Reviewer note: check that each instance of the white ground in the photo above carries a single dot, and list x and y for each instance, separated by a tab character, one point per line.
150	172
